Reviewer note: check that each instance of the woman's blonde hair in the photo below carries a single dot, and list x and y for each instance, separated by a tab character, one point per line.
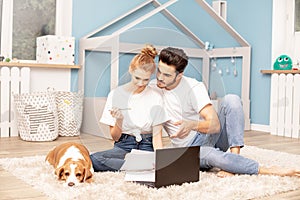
145	59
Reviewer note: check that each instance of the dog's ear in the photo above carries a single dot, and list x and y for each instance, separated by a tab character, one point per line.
88	175
60	173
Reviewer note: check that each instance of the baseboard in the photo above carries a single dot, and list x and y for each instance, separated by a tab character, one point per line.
260	127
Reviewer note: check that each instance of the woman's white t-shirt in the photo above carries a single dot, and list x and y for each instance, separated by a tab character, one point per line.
144	110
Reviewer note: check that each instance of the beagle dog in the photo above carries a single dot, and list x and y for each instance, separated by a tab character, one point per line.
72	163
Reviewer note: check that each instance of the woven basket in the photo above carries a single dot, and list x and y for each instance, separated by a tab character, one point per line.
37	116
69	109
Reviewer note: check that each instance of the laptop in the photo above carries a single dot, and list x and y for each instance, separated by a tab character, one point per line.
176	166
173	166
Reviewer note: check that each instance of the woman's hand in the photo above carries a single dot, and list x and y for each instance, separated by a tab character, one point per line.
116	113
116	130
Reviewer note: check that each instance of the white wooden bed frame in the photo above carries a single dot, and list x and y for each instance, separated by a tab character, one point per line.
111	43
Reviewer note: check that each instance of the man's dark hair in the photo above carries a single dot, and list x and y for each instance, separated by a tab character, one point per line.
174	56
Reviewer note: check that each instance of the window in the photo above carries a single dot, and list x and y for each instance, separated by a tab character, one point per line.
297	16
24	20
31	19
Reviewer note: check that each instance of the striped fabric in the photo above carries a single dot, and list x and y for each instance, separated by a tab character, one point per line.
69	109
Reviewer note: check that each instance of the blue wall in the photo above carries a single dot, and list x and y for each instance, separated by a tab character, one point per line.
251	18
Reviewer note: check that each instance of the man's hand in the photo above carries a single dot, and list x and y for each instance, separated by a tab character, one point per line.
184	129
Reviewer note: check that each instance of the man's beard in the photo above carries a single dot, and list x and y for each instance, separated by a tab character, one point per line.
165	85
160	85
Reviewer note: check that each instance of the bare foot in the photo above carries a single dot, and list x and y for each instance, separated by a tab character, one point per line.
279	171
224	174
235	150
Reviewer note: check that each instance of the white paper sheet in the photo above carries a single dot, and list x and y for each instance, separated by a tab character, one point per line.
139	166
148	176
138	160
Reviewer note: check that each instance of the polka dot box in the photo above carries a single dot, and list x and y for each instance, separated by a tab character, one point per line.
54	49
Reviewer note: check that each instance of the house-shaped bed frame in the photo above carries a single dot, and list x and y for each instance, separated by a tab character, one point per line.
111	43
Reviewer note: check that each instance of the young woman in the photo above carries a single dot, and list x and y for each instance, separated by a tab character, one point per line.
134	113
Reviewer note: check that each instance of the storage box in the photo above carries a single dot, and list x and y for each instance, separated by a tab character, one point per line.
54	49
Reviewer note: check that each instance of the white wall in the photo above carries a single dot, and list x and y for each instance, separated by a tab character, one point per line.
43	78
284	39
93	108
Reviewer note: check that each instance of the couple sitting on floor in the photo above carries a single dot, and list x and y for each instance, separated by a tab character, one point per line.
138	111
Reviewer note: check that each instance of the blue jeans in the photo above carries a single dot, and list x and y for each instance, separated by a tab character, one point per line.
231	117
214	146
113	159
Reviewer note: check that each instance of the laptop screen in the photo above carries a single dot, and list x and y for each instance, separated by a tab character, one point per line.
176	165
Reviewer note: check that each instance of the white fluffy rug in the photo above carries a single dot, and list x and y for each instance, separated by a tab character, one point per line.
108	185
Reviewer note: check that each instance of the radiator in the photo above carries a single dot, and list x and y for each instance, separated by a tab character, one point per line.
13	80
285	105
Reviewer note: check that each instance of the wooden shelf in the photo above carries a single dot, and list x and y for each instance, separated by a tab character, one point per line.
280	71
38	65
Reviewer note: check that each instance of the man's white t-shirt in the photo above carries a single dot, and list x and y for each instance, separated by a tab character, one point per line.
183	103
144	110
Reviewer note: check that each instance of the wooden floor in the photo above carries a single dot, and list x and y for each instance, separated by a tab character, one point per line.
12	188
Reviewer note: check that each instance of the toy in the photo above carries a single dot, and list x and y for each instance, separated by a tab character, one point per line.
283	62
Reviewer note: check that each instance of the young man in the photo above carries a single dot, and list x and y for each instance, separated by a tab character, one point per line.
194	122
